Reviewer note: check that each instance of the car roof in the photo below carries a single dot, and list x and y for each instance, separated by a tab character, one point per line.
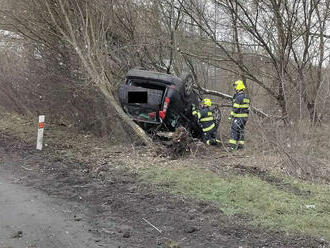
153	75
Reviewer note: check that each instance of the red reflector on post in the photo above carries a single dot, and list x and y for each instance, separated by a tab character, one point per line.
41	125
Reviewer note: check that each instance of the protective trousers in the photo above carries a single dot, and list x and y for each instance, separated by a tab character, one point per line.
210	137
237	132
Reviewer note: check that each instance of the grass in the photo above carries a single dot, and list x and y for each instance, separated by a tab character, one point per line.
266	204
19	126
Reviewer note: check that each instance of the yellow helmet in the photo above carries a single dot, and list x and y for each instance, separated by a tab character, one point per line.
239	85
207	102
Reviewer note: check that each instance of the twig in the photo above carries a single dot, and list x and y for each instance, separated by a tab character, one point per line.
106	231
80	186
26	168
160	231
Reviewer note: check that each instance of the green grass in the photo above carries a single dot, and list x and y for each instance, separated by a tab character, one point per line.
267	204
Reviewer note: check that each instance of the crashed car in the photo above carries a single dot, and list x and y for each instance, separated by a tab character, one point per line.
159	101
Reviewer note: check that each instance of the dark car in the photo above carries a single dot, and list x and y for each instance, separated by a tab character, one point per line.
159	101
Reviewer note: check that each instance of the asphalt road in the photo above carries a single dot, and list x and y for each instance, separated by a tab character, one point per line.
31	219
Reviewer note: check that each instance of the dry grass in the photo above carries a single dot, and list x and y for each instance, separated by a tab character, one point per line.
237	181
293	206
300	150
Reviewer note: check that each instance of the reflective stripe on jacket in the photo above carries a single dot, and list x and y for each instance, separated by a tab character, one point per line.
205	118
241	105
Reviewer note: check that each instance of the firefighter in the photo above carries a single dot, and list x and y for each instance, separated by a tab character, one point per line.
239	115
205	119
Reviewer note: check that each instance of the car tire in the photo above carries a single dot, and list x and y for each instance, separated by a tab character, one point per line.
216	115
188	82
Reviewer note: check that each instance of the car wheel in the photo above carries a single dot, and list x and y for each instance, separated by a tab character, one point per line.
188	82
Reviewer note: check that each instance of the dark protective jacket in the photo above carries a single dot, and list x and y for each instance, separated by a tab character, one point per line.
205	118
241	105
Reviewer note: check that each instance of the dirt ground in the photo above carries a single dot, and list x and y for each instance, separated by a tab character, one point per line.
30	218
85	205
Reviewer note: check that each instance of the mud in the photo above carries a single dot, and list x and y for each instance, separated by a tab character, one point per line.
119	210
30	218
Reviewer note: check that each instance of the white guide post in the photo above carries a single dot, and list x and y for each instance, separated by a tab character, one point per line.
40	131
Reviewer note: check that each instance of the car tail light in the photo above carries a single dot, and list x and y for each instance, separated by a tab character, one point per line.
166	103
162	114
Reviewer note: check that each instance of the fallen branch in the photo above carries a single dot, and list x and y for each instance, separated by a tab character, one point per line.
106	231
26	168
228	97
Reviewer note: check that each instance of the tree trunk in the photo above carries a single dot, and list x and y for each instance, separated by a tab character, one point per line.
313	115
145	139
282	102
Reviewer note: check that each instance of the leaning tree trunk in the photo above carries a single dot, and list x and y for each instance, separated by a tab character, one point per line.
81	25
141	135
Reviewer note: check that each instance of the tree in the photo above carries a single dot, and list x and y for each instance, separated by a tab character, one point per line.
280	33
82	26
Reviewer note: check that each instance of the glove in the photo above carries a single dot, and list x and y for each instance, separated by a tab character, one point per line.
229	118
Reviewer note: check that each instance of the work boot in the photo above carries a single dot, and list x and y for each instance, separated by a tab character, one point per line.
214	142
240	147
232	147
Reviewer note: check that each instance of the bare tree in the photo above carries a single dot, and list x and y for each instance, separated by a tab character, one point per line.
83	26
278	45
282	34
